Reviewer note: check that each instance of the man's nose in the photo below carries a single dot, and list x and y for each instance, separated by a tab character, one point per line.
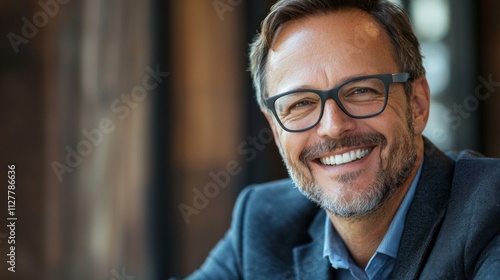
334	121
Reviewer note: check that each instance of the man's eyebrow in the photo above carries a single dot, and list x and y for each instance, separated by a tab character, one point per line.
306	86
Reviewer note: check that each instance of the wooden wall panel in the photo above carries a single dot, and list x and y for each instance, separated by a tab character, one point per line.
82	57
21	141
209	61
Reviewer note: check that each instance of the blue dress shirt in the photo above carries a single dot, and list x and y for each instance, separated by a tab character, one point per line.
382	262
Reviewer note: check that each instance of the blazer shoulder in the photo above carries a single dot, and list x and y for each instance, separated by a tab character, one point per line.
476	181
275	206
277	195
473	212
283	189
473	167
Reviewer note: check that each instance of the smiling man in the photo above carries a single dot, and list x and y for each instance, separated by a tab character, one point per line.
342	85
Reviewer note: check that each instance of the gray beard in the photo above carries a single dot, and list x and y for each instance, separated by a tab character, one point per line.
387	179
361	203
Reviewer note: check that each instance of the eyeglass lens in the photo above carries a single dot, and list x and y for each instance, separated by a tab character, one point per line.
359	98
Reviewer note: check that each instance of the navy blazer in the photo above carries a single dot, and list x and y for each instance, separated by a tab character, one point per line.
452	230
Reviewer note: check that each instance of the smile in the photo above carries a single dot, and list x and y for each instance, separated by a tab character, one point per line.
345	157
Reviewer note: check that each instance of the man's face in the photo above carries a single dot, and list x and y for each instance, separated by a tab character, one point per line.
321	52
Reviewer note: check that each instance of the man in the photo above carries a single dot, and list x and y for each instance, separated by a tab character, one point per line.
344	90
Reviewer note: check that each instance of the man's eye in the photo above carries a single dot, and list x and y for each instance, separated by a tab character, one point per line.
302	103
364	92
361	91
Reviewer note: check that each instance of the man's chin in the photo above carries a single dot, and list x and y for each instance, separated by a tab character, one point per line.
345	185
351	208
344	200
345	195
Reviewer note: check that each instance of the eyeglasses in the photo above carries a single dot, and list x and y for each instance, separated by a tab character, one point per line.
360	97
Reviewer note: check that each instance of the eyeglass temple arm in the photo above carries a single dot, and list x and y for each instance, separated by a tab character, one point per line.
400	77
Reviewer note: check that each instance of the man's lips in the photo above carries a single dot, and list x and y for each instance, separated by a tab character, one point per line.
346	157
335	152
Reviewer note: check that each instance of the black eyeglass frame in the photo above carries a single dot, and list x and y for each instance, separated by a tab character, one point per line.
333	93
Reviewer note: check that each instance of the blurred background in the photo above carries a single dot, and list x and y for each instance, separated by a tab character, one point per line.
132	124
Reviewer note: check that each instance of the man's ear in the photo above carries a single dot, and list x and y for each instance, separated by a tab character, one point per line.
273	126
420	102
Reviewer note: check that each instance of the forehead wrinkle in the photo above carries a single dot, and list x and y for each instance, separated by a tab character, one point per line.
294	40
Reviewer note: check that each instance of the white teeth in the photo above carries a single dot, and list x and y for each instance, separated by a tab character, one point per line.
352	154
345	158
338	159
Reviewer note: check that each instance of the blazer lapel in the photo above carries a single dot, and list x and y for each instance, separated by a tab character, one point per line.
426	213
308	259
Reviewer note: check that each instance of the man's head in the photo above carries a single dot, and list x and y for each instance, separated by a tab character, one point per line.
361	149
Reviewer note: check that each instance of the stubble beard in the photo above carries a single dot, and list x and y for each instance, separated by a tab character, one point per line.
351	204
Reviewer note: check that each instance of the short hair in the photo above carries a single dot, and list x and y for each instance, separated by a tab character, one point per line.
393	19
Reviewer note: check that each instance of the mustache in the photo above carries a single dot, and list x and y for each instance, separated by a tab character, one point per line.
349	140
